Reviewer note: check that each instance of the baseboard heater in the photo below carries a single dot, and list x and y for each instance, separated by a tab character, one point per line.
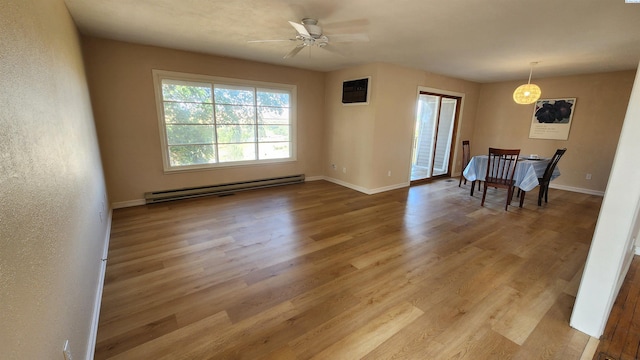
222	189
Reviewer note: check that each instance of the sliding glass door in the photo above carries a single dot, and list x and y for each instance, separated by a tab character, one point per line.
435	124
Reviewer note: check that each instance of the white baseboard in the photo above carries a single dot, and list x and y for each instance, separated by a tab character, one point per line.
91	345
363	189
130	203
348	185
314	178
637	251
389	188
576	189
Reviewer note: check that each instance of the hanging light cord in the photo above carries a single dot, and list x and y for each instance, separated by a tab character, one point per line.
531	70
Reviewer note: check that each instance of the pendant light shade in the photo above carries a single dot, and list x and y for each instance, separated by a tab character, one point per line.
527	93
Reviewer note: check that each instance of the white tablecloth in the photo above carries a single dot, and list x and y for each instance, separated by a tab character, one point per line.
526	175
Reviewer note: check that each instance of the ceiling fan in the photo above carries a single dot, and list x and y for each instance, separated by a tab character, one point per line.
309	33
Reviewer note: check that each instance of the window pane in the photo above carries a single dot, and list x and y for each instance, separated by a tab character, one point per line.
274	150
236	134
268	115
188	113
273	98
190	134
174	90
223	124
191	155
237	95
237	152
235	114
273	133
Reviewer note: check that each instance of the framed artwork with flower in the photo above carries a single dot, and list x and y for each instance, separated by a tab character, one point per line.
552	119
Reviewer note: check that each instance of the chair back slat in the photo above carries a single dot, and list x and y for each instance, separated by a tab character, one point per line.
466	153
466	158
546	178
501	166
552	165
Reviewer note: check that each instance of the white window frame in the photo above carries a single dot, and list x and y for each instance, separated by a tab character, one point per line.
159	75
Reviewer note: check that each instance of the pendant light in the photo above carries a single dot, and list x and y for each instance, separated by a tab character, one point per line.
527	93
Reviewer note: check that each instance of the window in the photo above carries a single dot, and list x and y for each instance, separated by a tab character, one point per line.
211	122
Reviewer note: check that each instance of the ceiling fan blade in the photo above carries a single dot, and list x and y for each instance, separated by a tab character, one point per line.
264	41
294	51
300	28
362	37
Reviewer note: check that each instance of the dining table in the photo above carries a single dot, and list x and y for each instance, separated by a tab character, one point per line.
526	175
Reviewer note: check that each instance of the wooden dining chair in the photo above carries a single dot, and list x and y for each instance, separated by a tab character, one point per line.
501	166
546	178
466	158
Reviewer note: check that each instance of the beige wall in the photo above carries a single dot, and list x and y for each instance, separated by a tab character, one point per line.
125	112
371	140
52	189
601	102
349	129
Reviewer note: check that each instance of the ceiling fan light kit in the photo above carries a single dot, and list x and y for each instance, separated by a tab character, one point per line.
527	93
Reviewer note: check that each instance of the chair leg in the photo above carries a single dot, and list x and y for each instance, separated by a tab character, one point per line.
509	196
484	195
546	193
540	194
473	185
460	183
522	195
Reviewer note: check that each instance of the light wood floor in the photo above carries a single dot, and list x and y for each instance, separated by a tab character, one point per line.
320	271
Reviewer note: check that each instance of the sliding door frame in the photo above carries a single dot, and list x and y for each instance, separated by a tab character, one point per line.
456	130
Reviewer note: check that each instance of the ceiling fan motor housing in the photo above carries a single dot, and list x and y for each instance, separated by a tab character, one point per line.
312	27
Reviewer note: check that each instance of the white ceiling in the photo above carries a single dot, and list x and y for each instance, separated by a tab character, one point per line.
477	40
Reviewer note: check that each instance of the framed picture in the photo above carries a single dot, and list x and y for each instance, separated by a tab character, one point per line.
552	119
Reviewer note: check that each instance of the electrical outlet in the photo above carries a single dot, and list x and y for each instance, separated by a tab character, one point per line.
67	351
344	170
389	173
588	177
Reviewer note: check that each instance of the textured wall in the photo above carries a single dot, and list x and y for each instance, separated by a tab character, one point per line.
51	185
127	122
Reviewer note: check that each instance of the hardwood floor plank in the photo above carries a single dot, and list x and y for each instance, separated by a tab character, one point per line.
138	336
551	338
464	333
201	304
522	318
175	344
420	334
368	337
316	270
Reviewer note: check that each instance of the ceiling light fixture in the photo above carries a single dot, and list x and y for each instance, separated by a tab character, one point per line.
527	93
